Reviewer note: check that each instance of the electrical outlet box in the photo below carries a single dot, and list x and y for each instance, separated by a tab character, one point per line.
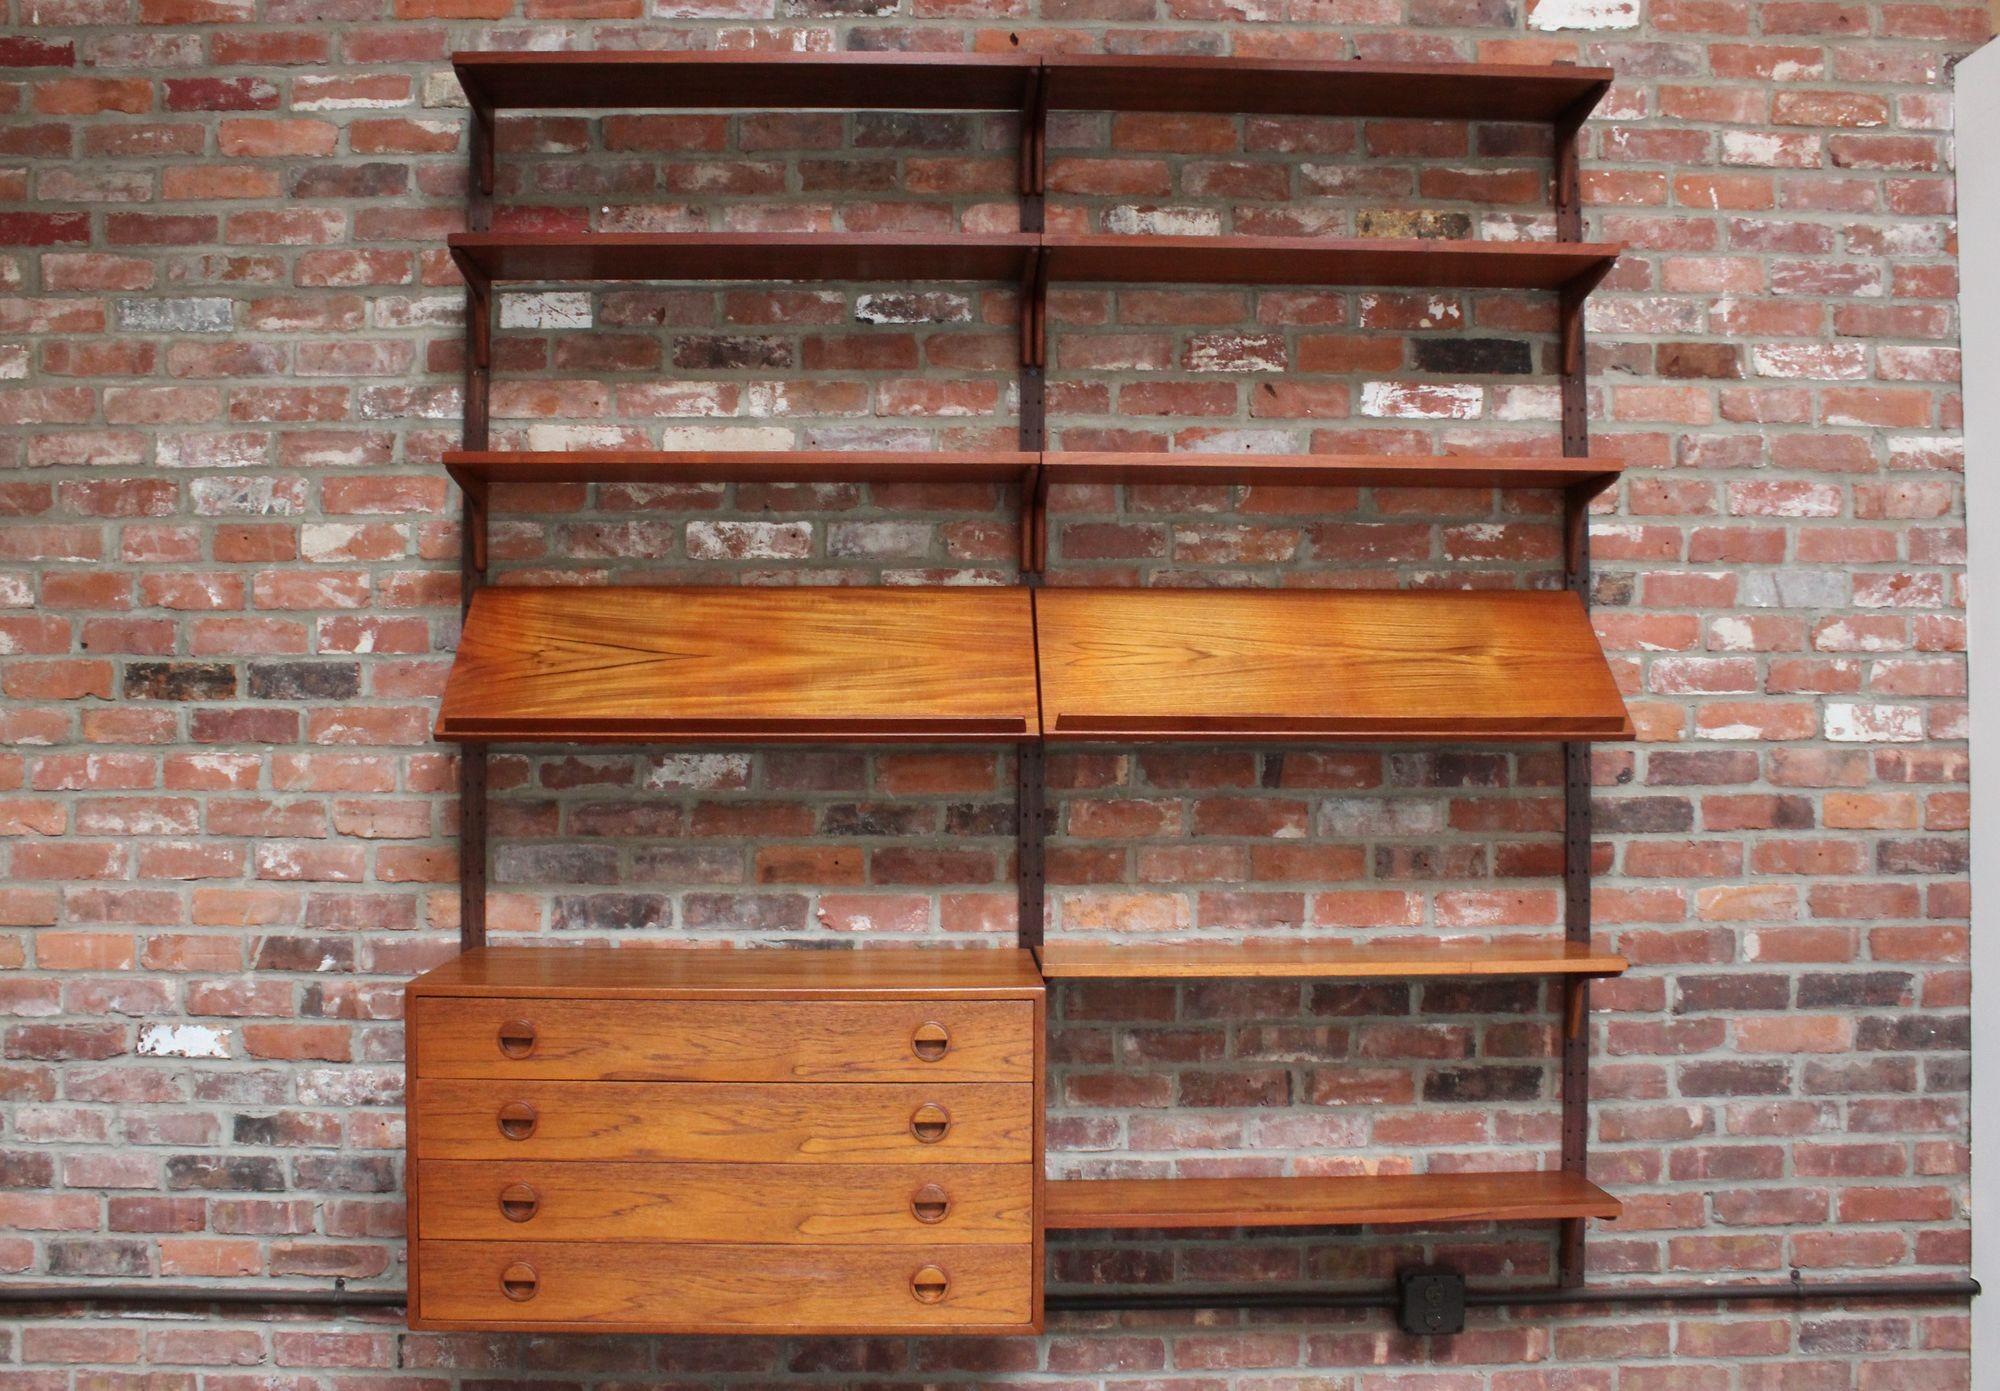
1433	1302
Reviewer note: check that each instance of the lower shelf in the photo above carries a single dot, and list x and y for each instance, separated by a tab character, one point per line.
1402	1200
1322	960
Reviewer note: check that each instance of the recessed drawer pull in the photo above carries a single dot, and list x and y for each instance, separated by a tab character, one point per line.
930	1203
930	1284
929	1122
519	1282
517	1120
517	1038
519	1202
930	1041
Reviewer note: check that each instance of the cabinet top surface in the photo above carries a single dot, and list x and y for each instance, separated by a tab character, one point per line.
727	973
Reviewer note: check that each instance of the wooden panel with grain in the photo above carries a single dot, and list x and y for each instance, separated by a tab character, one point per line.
747	1123
477	469
766	81
1330	470
832	1204
657	1288
1322	665
1400	1199
1324	960
717	1041
751	976
766	664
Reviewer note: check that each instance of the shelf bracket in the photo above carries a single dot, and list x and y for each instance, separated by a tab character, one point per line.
471	846
1030	829
482	143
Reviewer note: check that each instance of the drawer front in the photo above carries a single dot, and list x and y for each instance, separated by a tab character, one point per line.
747	1123
722	1041
831	1204
645	1287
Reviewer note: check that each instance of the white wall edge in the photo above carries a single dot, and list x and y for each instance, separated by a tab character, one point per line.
1977	143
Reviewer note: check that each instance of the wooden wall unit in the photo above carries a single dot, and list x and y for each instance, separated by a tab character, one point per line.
711	1140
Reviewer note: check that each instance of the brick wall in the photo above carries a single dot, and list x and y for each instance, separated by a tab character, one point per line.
229	358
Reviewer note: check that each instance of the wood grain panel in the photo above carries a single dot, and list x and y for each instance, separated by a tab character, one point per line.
1322	665
1324	960
1348	470
768	664
746	1123
831	1204
765	81
476	469
657	1288
717	1041
1402	1199
723	973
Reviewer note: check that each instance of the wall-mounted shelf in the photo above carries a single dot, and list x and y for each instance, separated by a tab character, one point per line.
1332	470
559	256
1449	265
725	81
1322	665
1166	1204
1322	960
571	1052
765	664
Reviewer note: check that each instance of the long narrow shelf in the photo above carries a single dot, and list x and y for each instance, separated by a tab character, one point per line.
1354	470
475	470
1099	258
1399	1200
763	664
1322	960
1297	87
1322	665
724	81
555	256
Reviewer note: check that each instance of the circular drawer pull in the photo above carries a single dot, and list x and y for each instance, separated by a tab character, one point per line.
519	1282
930	1284
930	1041
517	1038
517	1120
930	1204
929	1122
519	1202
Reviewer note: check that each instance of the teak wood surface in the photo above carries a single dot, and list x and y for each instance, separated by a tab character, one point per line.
644	1287
1404	1199
716	81
713	1122
723	973
831	1204
1323	960
719	1041
482	468
1350	470
1322	665
766	664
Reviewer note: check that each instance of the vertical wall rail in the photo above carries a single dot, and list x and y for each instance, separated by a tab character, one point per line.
473	521
1030	760
1575	1031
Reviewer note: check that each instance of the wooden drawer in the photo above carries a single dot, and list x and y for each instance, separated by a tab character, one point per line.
726	1041
747	1123
657	1288
831	1204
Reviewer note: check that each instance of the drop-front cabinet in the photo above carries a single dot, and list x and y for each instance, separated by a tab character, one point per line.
723	1141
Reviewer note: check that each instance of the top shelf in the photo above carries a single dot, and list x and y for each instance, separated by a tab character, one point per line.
1007	82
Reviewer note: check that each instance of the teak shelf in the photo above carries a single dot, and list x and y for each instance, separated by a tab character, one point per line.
1167	1204
1321	960
736	664
723	1141
1322	665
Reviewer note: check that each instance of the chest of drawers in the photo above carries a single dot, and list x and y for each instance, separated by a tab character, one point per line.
716	1141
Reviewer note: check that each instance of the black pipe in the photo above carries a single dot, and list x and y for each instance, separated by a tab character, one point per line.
1795	1291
